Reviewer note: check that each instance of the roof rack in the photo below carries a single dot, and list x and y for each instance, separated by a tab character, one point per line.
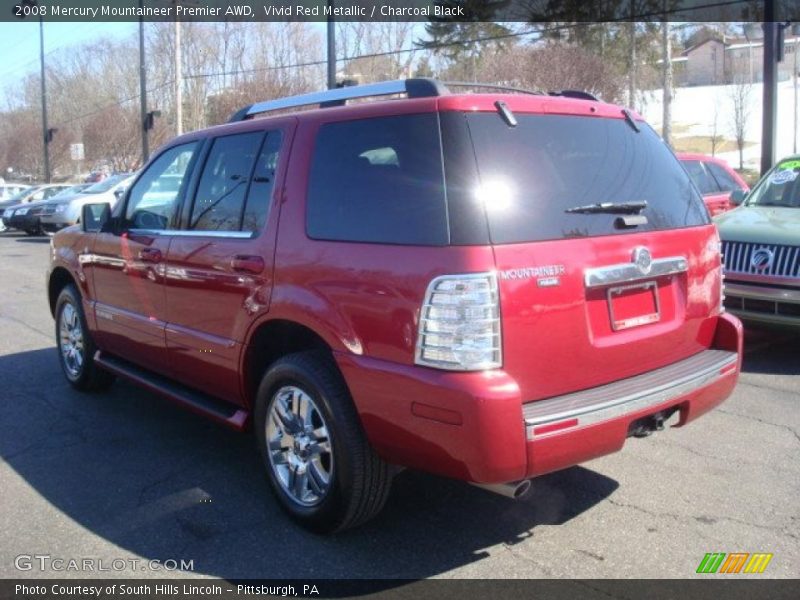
574	94
413	88
492	86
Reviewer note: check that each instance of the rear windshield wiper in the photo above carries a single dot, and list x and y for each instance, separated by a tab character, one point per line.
621	208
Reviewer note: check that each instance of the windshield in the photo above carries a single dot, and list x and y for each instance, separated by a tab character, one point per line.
105	185
21	194
70	190
779	187
538	178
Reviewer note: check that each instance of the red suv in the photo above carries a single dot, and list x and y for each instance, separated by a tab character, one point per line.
715	179
487	287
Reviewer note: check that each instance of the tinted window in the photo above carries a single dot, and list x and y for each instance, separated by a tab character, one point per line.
219	200
378	180
154	197
724	179
532	173
702	178
259	197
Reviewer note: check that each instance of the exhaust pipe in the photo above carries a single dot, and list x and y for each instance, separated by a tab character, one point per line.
514	490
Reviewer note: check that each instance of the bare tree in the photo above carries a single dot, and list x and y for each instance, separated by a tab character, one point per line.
553	67
716	138
740	93
666	58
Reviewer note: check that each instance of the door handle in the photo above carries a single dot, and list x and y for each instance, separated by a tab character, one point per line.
247	264
150	255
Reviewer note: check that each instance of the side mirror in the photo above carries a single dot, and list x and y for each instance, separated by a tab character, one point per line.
95	217
737	197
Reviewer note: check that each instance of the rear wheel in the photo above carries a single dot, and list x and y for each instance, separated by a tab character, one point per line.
319	462
75	346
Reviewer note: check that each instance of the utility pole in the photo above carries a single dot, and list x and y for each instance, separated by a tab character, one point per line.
666	44
178	78
794	82
143	91
632	66
769	116
331	48
46	135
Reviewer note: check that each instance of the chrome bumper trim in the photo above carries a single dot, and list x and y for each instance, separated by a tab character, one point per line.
629	395
630	272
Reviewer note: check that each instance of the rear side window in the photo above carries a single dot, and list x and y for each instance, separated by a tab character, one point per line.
726	182
259	196
531	174
704	181
378	180
219	201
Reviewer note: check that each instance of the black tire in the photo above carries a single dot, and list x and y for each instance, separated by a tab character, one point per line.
360	481
31	232
87	376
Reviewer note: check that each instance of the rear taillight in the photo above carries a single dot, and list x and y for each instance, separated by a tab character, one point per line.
459	326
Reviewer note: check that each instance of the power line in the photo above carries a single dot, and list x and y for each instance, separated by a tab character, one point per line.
538	31
112	105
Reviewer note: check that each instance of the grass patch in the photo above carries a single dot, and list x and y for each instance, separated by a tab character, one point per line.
702	144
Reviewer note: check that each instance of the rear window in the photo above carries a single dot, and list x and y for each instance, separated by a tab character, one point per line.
725	180
378	180
532	173
704	181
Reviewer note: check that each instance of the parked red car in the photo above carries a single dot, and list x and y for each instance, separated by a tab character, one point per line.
487	287
714	178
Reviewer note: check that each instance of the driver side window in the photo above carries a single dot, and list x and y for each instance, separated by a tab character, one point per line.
153	199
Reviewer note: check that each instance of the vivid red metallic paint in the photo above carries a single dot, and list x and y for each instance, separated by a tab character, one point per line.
191	314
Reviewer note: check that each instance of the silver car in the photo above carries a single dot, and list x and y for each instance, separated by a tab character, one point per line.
65	211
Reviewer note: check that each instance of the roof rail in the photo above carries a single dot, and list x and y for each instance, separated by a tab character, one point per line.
413	88
581	95
491	86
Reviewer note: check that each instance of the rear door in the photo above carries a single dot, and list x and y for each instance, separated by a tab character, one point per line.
586	296
219	276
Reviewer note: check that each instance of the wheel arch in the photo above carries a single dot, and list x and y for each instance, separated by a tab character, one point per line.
59	278
270	341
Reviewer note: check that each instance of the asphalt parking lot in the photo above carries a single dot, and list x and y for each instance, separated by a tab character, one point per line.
125	475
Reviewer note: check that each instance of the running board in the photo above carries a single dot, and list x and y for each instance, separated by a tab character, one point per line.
198	402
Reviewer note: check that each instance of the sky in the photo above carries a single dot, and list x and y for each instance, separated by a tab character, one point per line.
19	43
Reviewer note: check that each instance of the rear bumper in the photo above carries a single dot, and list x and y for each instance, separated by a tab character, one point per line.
476	427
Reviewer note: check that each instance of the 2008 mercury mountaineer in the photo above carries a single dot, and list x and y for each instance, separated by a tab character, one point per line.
488	287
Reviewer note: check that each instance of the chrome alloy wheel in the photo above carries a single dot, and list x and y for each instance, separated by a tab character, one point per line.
70	341
299	446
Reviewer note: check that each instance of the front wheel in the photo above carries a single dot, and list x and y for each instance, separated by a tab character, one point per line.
320	465
75	346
